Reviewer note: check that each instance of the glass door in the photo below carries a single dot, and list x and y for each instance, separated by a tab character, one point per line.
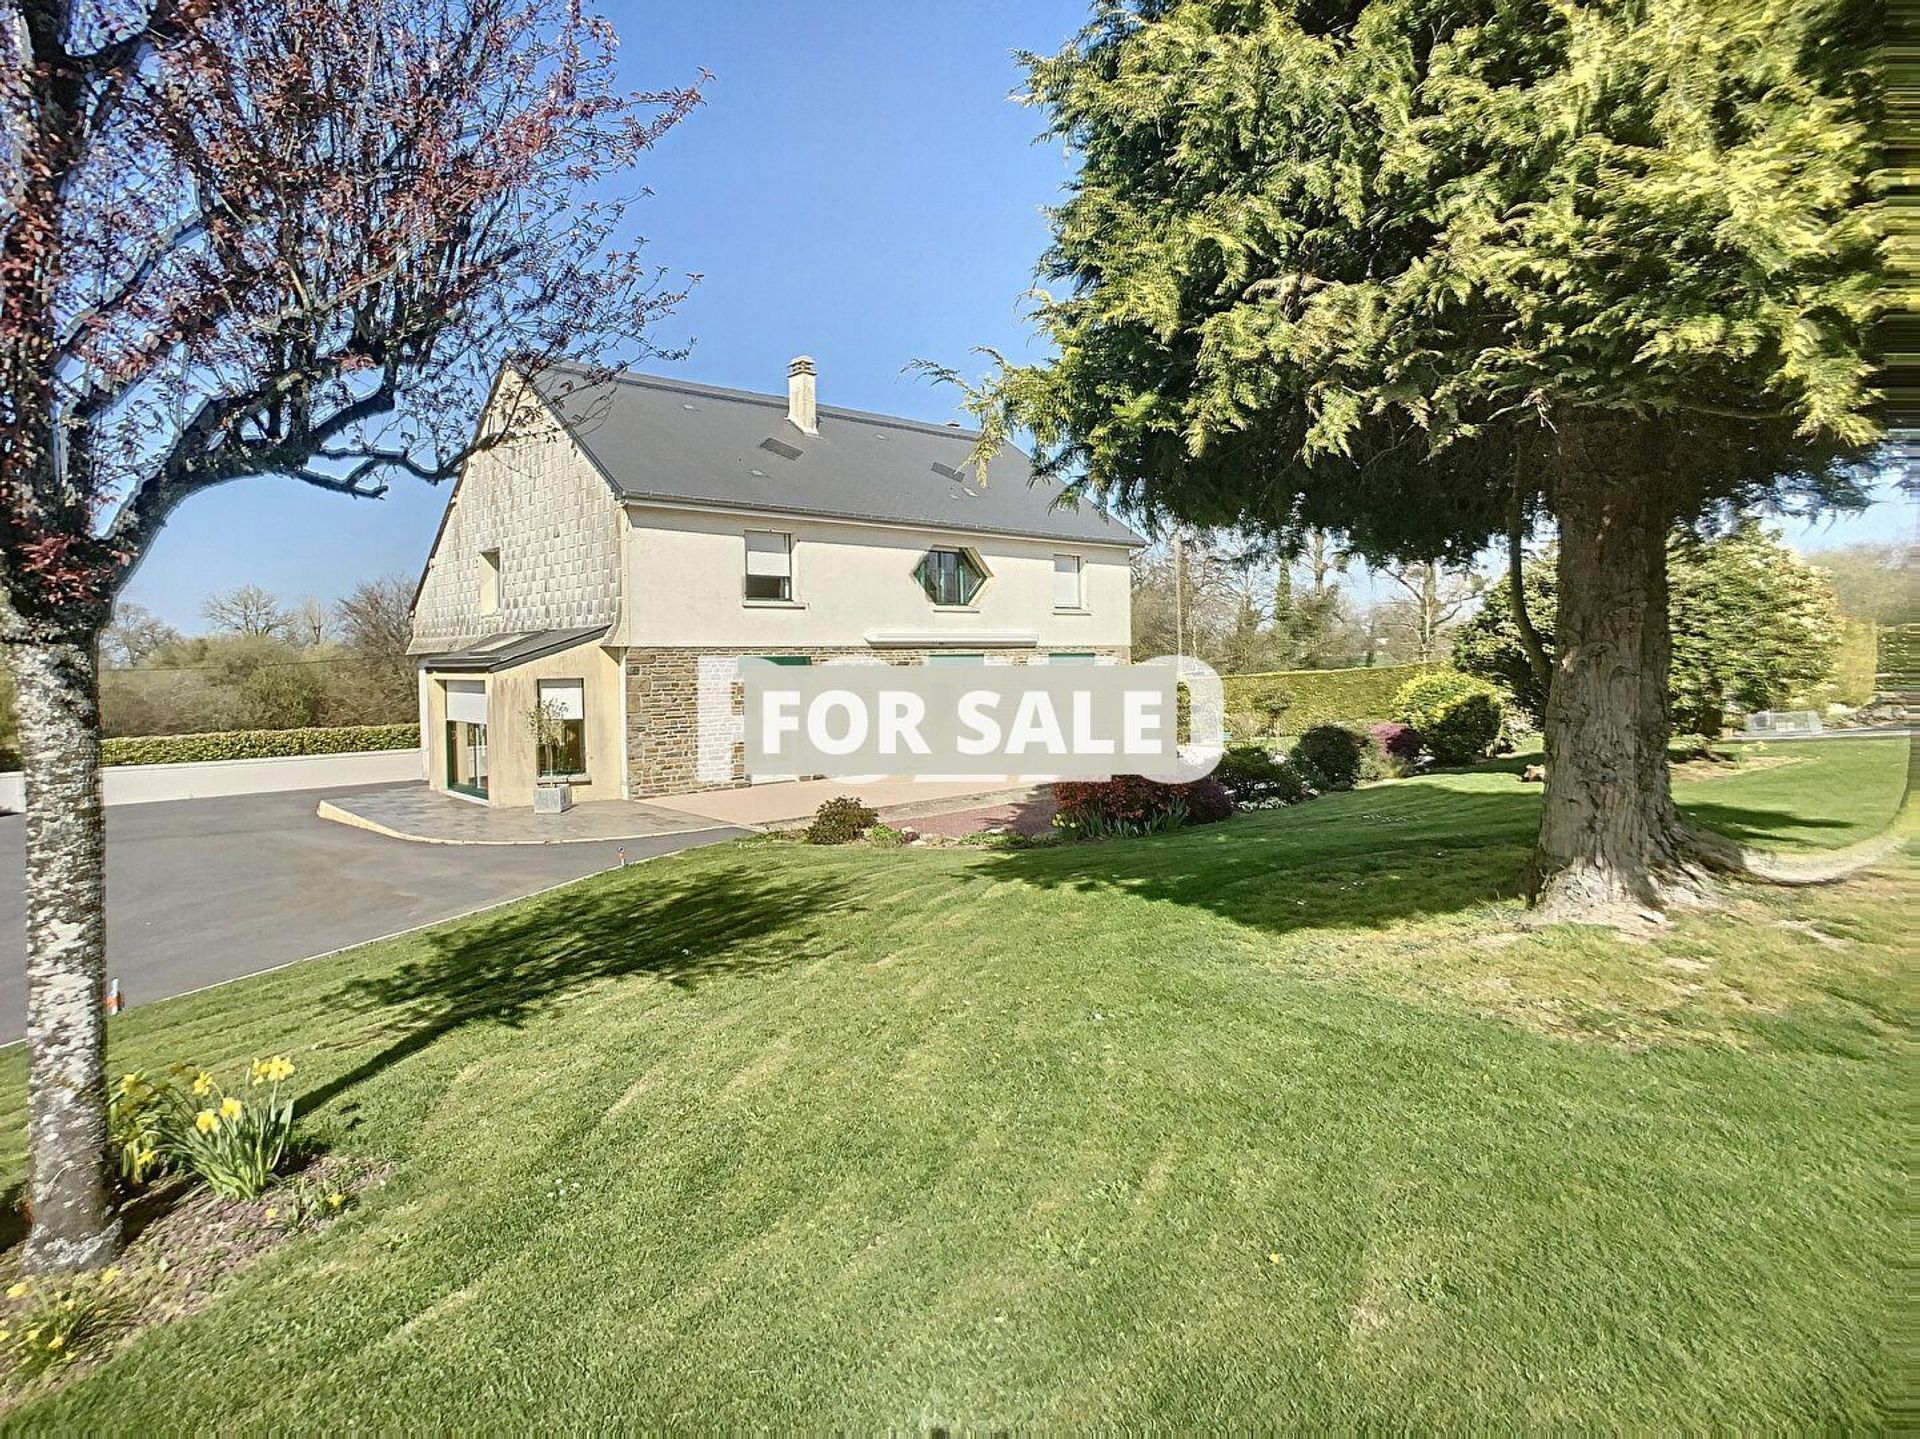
467	758
467	737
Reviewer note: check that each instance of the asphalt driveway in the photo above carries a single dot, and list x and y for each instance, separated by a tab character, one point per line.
200	891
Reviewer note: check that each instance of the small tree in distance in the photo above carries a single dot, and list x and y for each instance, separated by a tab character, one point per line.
245	610
375	620
1754	626
243	238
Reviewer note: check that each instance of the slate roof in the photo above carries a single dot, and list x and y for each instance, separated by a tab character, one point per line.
503	651
667	441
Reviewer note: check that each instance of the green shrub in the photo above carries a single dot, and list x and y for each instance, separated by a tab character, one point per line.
1310	776
257	744
1465	728
1333	753
1420	700
885	836
1316	697
1258	778
841	820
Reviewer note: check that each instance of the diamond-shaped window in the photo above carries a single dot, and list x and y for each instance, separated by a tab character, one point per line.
951	577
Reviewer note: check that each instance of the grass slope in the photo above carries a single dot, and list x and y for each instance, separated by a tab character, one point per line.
1275	1122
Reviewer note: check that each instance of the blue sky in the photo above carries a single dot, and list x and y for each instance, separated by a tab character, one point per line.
858	187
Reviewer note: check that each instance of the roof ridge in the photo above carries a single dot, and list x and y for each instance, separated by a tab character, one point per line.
778	402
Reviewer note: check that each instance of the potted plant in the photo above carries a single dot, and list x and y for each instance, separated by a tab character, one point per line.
551	792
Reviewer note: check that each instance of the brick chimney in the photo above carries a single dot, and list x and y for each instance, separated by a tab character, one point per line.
800	402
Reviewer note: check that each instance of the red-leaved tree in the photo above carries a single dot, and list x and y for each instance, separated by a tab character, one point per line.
242	238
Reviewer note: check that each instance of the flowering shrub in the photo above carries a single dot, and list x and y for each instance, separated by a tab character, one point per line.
1399	741
1392	750
1331	752
1130	804
50	1322
233	1141
841	820
1258	778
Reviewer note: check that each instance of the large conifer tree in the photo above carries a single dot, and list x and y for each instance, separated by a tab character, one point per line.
1415	269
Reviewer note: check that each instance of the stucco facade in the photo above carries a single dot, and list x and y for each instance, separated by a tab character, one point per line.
852	582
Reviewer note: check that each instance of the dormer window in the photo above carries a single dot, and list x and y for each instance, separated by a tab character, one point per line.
769	567
951	577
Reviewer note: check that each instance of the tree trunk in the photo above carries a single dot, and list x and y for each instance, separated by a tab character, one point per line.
1611	846
58	691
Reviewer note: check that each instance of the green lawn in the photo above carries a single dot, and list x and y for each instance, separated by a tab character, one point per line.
1277	1122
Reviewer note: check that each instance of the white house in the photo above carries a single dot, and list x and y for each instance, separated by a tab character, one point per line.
643	522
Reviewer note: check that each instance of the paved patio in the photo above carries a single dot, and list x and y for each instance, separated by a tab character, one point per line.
788	803
430	816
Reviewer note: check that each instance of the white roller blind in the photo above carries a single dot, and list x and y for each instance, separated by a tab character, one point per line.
467	700
566	696
1066	582
769	554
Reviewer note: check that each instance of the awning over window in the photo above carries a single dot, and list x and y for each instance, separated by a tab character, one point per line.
504	651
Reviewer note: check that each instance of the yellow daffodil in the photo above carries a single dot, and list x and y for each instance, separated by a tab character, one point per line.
336	1200
1273	1257
206	1121
14	1291
273	1211
202	1082
129	1083
33	1334
231	1109
272	1070
58	1341
5	1334
109	1275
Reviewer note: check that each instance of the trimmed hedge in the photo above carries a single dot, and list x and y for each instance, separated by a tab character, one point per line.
1331	751
1317	697
257	744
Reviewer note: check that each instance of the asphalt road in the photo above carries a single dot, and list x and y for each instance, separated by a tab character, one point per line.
200	891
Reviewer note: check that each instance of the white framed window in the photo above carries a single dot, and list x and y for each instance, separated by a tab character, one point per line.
1069	590
489	582
563	749
769	576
